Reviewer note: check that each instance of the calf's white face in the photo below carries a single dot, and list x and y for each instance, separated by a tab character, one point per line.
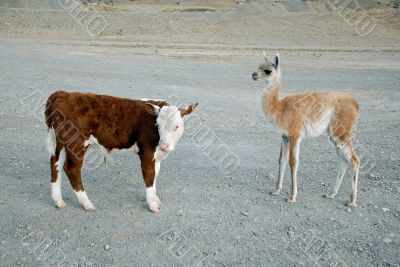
170	125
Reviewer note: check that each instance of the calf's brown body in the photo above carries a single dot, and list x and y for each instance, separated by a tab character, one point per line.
116	123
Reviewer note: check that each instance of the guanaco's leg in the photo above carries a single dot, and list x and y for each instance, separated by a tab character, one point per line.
341	129
342	166
294	148
355	165
346	151
283	159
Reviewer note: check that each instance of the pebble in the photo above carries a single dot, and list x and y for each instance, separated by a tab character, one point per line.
107	247
291	234
348	210
180	212
387	240
385	209
244	213
92	245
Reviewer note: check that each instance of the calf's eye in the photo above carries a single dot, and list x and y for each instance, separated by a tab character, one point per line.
267	72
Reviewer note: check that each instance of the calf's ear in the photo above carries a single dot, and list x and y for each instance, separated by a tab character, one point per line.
152	109
188	110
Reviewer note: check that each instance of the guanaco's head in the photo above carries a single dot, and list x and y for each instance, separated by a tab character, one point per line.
269	71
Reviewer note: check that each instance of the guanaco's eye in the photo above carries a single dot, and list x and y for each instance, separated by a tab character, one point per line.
267	72
176	128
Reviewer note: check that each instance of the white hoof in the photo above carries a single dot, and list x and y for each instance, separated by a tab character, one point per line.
152	200
84	201
155	207
60	204
89	206
330	196
275	193
158	200
291	200
351	204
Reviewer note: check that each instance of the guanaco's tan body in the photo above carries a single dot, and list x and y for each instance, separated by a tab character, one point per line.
310	114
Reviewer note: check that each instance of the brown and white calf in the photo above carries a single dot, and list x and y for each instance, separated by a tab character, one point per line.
78	121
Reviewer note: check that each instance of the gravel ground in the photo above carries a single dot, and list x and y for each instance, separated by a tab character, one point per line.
208	217
202	51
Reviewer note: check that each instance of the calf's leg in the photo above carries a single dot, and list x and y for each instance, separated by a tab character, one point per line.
72	167
56	167
150	168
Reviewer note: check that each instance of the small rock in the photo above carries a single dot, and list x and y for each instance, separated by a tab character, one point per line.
373	176
244	213
291	234
387	240
92	245
385	209
348	210
180	212
107	247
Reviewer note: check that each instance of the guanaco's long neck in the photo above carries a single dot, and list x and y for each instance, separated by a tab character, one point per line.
271	102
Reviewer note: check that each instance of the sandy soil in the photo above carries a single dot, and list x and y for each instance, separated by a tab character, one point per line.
205	52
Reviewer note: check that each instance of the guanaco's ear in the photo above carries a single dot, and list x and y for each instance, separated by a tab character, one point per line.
152	109
276	63
188	110
265	56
